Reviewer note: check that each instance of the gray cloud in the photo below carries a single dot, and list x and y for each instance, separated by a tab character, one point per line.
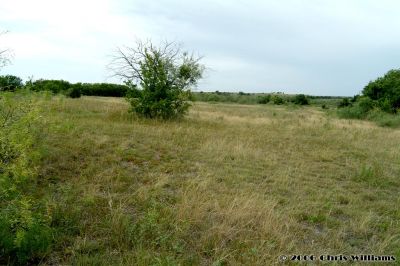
318	47
314	46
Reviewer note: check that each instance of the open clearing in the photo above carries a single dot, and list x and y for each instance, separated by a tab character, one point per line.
229	184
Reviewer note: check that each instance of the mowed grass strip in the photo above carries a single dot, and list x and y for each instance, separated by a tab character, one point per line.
229	184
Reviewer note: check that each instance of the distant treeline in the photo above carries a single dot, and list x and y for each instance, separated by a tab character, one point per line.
277	98
10	83
89	89
75	90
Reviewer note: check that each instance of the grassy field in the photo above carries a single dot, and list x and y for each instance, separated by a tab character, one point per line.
229	184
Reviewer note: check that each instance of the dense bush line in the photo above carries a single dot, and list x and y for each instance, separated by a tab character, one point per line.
102	89
74	90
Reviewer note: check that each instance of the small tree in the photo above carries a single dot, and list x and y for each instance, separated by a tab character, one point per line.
159	78
5	55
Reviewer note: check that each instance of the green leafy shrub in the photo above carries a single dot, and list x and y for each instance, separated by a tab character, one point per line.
385	90
55	86
352	112
276	99
371	110
164	76
381	95
344	103
355	98
73	92
359	110
103	89
25	234
10	83
264	99
301	99
366	104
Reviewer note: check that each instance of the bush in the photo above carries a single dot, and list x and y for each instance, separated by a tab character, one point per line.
301	99
359	110
385	90
73	92
10	83
264	99
164	76
103	89
355	98
55	86
351	112
366	104
344	103
25	234
276	99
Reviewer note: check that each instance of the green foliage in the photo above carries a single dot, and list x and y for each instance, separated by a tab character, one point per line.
73	92
366	104
353	112
24	231
226	97
355	98
103	89
344	103
358	110
368	109
55	86
10	83
261	98
301	99
378	97
277	99
164	82
132	91
385	90
264	99
384	119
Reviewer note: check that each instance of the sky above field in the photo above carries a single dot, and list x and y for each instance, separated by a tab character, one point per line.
319	47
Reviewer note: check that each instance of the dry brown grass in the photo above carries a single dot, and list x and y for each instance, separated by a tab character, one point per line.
229	184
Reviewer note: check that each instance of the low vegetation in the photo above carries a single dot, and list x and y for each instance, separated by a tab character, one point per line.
379	101
25	230
228	184
267	98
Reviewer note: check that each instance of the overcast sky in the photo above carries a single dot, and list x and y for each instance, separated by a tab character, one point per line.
319	47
